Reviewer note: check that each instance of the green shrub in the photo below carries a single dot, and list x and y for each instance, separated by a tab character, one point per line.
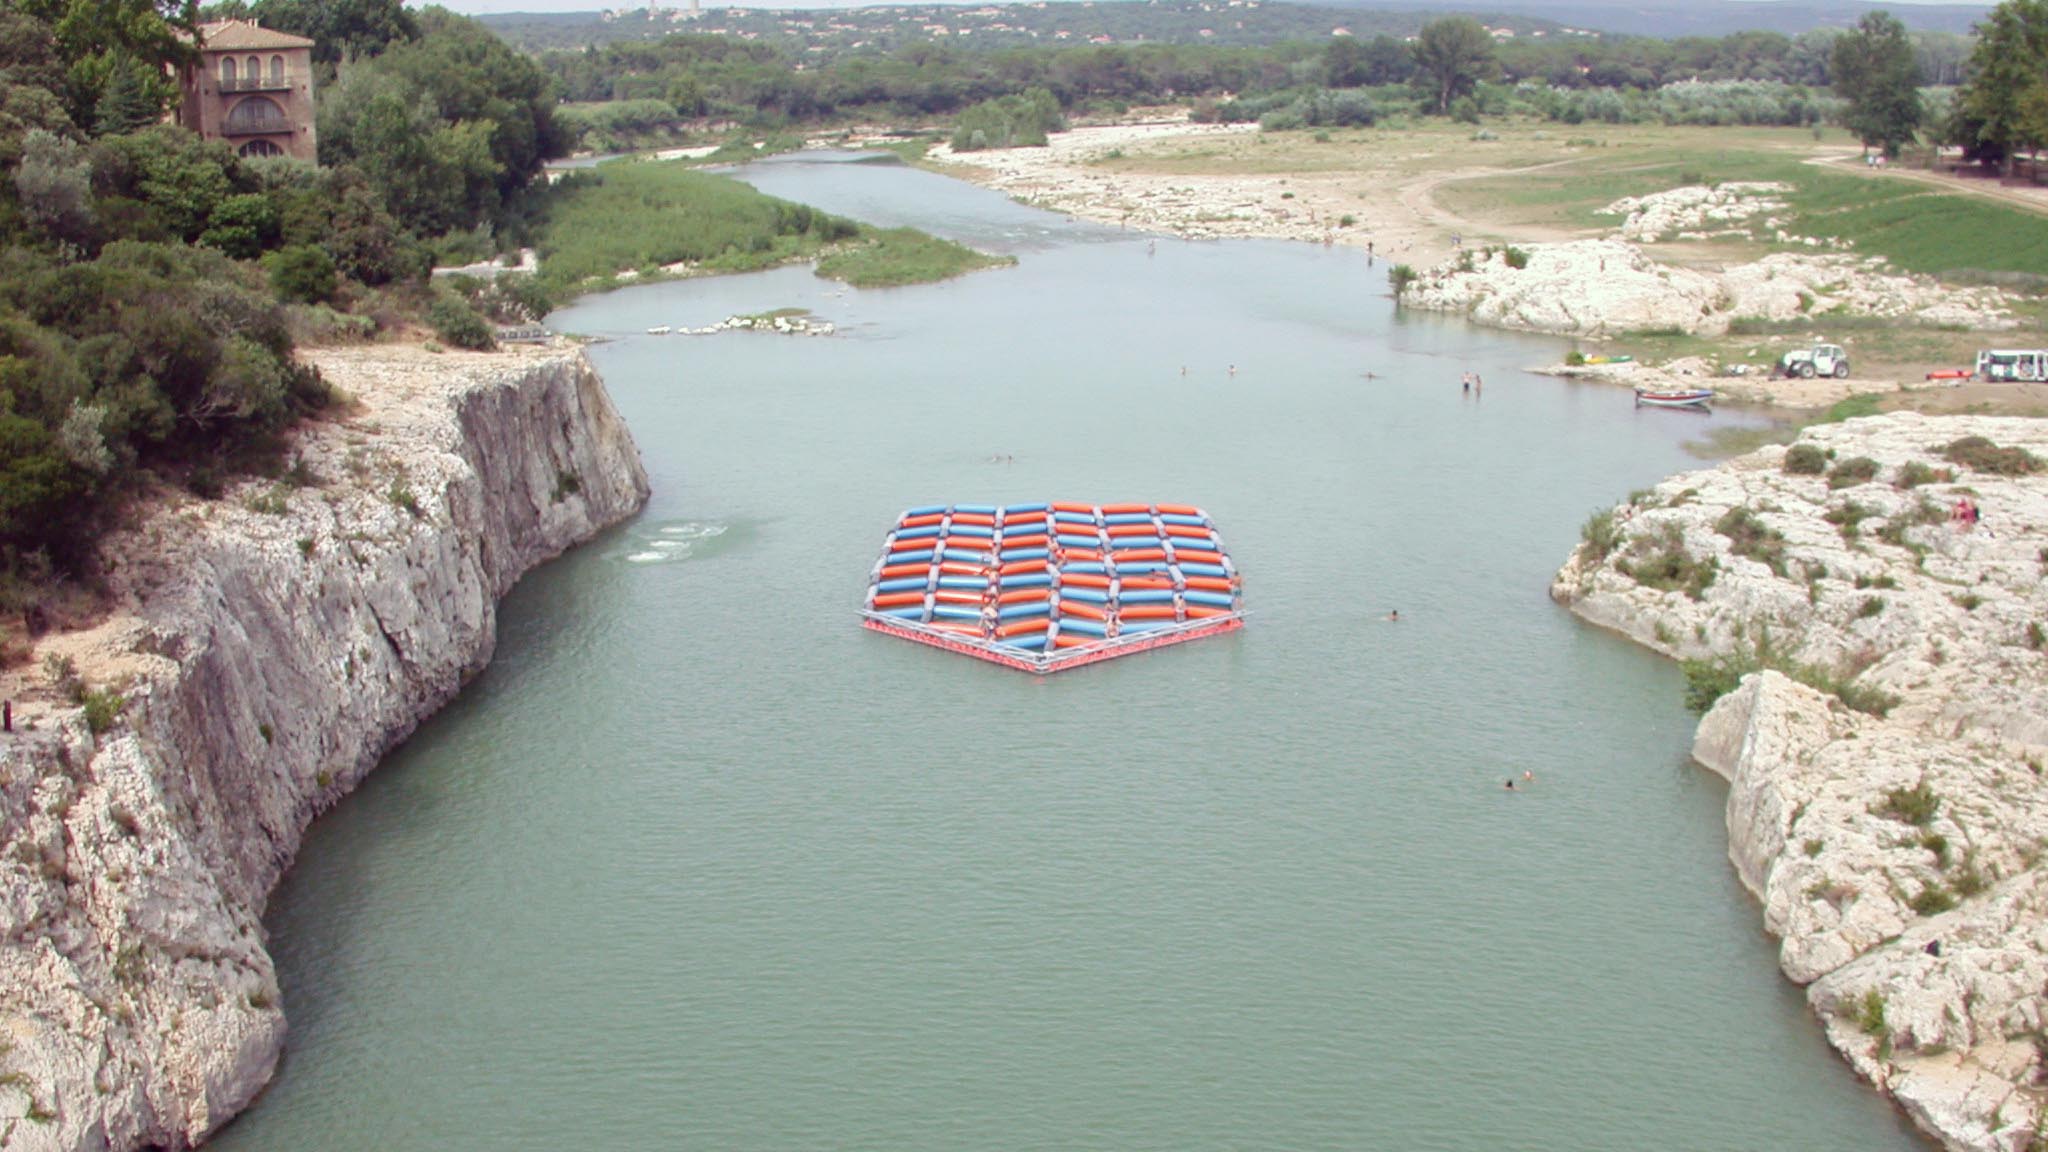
1661	561
1749	536
896	256
1399	277
1516	257
456	320
1851	472
1848	517
1980	454
1601	534
2036	638
1708	680
302	273
1871	606
1936	843
1805	460
1870	1013
1968	880
102	708
1915	473
1917	805
1932	900
401	496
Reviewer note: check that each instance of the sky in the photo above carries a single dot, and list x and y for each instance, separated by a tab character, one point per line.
478	7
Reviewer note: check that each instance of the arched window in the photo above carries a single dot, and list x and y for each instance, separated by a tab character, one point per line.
227	71
277	69
260	114
261	148
254	70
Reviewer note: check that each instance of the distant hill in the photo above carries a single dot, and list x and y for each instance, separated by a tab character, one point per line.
1697	17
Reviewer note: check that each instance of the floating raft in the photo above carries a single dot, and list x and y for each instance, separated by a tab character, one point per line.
1044	587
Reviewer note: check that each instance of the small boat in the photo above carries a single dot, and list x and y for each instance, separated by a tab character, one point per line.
659	330
1952	374
1623	359
1674	398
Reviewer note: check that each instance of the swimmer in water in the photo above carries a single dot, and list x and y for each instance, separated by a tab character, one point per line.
1394	616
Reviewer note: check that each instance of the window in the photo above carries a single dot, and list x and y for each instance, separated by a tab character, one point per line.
227	71
258	112
254	70
277	69
261	148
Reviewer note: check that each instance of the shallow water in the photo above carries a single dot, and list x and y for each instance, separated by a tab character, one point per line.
698	863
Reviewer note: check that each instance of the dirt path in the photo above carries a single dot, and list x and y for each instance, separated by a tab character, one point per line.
2029	199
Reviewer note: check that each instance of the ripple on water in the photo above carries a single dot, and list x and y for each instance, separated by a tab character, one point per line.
682	540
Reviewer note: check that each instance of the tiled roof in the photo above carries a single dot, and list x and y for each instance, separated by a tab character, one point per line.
238	35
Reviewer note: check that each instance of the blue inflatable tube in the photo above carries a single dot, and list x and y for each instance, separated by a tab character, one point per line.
917	533
1024	580
1083	626
976	509
1012	509
1141	567
1143	625
956	612
1095	566
1147	596
965	555
1073	518
1080	541
1194	569
923	510
1127	518
1035	640
970	583
1091	595
1213	599
901	584
1186	521
973	530
903	613
911	557
1133	543
1015	554
1024	611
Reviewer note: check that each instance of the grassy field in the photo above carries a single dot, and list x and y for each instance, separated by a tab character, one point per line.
645	217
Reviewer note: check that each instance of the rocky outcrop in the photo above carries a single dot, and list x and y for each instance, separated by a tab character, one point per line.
1887	802
1603	288
269	649
1700	212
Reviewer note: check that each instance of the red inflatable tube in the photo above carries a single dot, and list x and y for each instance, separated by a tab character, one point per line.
894	571
1016	566
1070	506
1121	509
957	596
1082	554
1084	579
1024	595
1210	583
1064	641
1188	530
1133	555
1159	582
1204	612
1179	510
981	518
898	599
962	568
1083	608
962	629
921	521
911	545
1036	541
1020	627
963	543
1199	556
1116	530
1147	612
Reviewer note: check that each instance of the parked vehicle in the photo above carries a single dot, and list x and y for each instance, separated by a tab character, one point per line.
1819	360
2030	364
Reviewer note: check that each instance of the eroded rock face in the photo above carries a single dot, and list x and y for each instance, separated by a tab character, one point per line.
1610	287
1890	812
280	641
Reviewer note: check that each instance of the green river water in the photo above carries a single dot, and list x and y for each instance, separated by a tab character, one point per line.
700	864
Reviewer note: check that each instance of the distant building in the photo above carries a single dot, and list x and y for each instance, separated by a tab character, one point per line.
252	88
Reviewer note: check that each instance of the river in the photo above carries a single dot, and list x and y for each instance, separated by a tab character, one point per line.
700	864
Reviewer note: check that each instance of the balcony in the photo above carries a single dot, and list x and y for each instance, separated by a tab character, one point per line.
255	125
256	84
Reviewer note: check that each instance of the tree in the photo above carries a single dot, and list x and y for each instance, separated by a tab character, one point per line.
2009	65
1874	71
1344	62
1453	56
126	102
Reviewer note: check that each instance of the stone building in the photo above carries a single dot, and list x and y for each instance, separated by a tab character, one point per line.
252	88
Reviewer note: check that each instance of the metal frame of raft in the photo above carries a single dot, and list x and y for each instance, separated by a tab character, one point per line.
1050	586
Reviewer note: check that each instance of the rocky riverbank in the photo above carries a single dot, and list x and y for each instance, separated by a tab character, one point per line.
266	651
1886	747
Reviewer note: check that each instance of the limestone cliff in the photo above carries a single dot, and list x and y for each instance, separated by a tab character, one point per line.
1887	803
270	648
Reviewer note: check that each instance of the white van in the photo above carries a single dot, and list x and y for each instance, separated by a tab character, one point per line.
2031	364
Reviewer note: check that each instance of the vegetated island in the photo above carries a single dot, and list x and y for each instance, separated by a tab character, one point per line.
1864	622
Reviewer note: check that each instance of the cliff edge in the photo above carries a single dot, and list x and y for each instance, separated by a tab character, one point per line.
1883	726
268	648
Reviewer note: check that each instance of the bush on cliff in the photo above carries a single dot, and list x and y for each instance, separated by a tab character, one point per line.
1805	460
1981	455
